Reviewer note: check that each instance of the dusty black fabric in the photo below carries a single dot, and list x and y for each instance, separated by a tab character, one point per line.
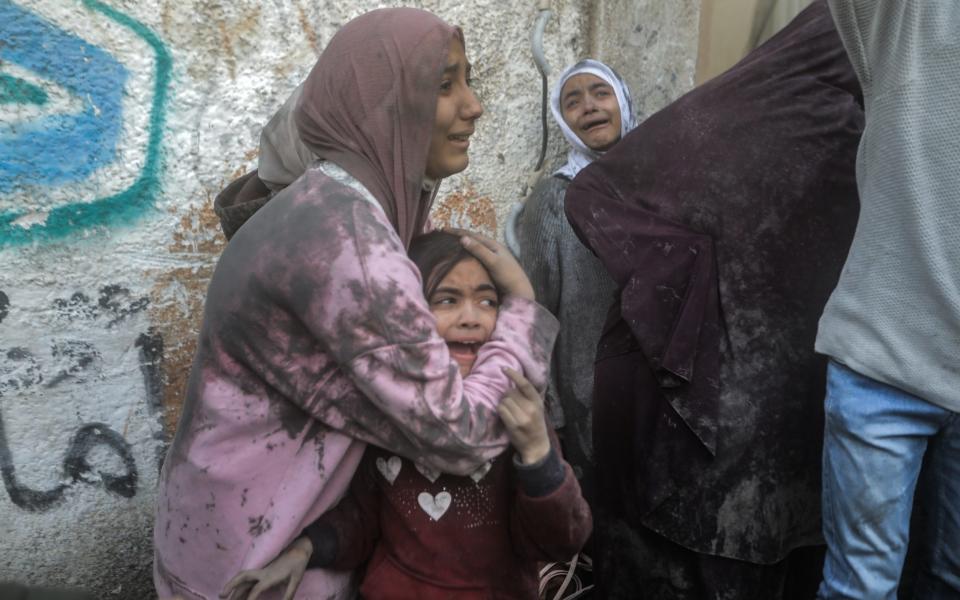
14	591
571	283
725	220
541	478
651	567
325	544
238	201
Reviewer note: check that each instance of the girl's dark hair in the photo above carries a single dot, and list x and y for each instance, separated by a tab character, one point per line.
436	254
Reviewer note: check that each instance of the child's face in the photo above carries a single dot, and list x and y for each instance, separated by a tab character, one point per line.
465	305
589	106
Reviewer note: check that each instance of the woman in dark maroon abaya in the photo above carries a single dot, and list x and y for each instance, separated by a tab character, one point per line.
724	219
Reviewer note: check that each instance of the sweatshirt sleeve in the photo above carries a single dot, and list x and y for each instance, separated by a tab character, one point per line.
549	519
354	288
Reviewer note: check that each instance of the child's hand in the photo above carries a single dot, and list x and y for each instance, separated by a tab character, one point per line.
289	566
522	412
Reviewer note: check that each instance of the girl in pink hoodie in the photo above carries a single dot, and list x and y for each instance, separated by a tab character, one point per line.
429	535
316	336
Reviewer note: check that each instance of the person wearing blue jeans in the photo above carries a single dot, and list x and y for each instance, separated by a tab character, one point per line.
876	439
892	325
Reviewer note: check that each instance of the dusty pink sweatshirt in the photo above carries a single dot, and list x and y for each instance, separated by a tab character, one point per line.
317	339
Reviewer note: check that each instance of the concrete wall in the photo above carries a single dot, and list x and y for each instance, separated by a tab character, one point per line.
119	122
652	43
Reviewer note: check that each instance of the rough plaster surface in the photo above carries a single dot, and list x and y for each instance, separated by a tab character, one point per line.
652	43
119	122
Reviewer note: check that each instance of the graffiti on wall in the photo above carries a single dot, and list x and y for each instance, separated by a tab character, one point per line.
32	149
70	362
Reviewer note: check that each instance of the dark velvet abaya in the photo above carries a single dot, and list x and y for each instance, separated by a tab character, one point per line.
725	219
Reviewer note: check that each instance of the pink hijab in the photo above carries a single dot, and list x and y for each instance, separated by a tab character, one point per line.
369	105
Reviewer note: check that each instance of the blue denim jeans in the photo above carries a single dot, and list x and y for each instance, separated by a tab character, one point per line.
875	441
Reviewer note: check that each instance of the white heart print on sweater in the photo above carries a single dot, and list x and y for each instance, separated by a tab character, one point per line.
389	468
435	506
431	474
480	473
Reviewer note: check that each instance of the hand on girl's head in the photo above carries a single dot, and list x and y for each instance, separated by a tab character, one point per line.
504	269
522	413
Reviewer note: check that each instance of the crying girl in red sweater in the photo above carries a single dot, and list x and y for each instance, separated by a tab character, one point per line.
426	535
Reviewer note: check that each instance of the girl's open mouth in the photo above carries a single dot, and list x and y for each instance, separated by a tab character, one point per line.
464	353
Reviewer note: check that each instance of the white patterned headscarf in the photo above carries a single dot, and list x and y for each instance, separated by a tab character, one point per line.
580	155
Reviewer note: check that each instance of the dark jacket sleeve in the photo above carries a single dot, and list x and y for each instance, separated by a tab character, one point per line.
549	518
344	537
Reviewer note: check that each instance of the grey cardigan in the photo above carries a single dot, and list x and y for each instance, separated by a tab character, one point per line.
572	284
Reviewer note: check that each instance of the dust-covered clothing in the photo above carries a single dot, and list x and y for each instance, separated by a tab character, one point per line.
724	219
317	338
574	285
892	325
895	313
429	535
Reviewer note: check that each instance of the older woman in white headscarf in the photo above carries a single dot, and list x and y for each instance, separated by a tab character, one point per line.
591	104
583	104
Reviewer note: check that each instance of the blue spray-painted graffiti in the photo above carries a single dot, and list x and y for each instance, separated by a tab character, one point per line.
14	90
59	149
33	154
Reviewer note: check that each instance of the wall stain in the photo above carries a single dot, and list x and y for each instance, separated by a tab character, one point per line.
166	19
243	169
176	307
233	35
227	46
308	30
245	29
468	210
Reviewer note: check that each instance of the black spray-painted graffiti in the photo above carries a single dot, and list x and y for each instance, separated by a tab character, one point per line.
4	306
78	360
151	367
75	468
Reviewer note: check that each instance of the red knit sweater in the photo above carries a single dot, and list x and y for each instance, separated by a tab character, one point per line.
430	536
